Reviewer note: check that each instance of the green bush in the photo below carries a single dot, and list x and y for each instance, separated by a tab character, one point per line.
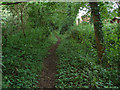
111	42
78	68
23	57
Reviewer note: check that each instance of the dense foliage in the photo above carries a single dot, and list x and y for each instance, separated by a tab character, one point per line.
78	67
30	28
23	58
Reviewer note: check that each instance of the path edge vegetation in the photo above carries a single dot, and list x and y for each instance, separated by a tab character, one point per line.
34	22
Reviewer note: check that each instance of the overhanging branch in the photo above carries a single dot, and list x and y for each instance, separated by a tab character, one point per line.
15	2
10	3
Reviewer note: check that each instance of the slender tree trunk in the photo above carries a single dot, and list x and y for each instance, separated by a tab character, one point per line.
119	35
119	9
95	12
119	23
22	22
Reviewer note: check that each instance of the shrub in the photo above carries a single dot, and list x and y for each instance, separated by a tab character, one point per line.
23	57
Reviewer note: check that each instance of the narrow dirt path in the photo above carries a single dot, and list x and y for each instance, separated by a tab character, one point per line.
49	71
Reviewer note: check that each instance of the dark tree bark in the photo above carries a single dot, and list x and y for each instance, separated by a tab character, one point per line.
95	12
10	3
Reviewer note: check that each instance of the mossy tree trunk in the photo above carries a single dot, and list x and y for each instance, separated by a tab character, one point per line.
95	13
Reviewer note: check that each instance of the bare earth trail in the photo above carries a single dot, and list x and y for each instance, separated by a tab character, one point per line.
47	79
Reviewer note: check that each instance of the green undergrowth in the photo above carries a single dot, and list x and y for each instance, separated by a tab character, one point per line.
78	67
111	34
23	57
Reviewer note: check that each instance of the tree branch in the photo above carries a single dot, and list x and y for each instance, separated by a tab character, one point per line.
10	3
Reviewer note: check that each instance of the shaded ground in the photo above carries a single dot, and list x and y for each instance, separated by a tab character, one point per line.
49	71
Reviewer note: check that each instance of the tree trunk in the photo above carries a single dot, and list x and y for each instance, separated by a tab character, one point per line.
22	22
119	9
95	12
119	35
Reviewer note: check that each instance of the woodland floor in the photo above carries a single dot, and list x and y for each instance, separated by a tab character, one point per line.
47	79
